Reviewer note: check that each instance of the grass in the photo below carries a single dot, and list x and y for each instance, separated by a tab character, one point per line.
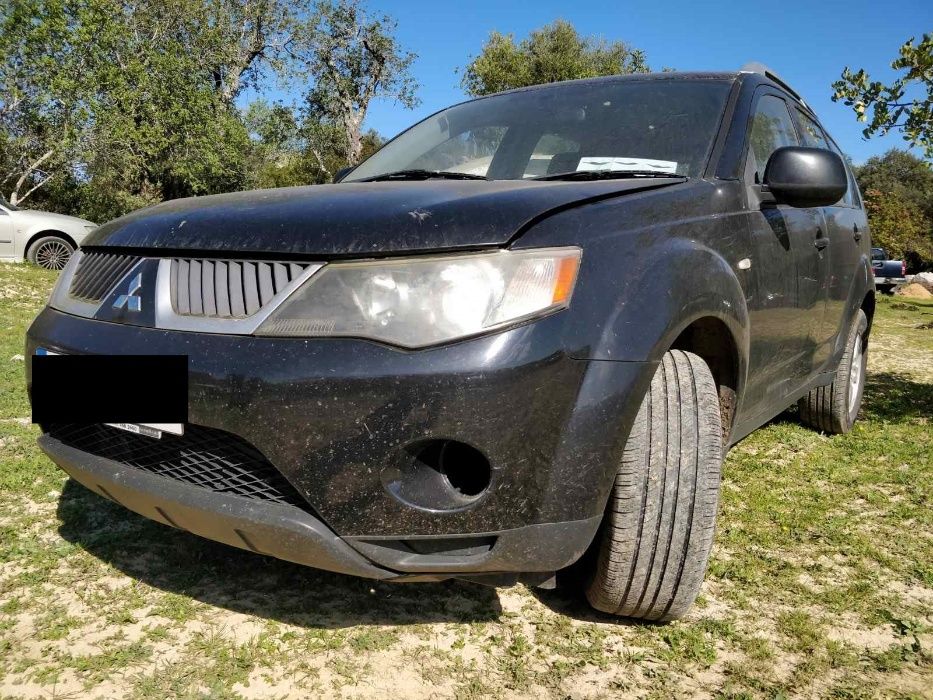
820	584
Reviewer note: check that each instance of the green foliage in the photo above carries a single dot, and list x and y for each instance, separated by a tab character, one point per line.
898	192
889	105
107	106
285	150
553	53
43	89
355	59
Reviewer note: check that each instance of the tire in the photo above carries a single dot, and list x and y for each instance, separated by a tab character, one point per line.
50	252
834	408
658	530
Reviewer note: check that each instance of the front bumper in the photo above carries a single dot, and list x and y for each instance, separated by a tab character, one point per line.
334	416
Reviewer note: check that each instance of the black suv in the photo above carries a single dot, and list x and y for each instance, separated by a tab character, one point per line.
519	337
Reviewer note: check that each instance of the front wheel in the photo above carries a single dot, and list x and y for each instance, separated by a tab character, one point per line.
658	531
50	252
834	408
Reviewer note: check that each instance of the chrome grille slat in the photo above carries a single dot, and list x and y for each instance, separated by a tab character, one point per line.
98	272
208	288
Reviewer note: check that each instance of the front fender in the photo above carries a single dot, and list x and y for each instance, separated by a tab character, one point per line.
666	288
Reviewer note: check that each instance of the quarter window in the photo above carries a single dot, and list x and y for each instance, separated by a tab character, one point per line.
772	129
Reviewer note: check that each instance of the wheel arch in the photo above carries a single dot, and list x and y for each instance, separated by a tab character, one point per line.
868	307
694	301
47	232
710	338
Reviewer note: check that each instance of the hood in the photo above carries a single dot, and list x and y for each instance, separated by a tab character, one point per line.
29	216
358	218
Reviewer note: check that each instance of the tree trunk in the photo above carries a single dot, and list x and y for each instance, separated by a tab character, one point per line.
354	125
15	197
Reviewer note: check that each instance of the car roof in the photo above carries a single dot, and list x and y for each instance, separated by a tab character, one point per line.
631	77
755	72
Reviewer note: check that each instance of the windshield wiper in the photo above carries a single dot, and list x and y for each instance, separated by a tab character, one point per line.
419	174
604	175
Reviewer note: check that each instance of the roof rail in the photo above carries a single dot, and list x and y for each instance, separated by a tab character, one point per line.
762	69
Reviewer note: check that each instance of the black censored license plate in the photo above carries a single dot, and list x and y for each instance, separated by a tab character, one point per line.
142	390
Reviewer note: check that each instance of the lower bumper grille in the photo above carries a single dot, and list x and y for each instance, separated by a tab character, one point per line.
204	457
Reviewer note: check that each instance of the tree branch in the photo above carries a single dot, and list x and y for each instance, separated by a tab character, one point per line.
22	199
14	196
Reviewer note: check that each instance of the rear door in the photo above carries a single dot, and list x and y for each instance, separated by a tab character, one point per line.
787	303
846	224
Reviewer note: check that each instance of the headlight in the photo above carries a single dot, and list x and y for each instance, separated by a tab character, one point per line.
417	302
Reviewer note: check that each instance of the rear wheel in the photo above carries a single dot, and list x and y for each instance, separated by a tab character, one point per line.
50	252
658	531
834	408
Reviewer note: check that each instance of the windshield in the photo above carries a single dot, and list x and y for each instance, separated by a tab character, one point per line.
657	125
6	205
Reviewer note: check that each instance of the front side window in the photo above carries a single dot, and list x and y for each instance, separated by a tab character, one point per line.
658	125
771	129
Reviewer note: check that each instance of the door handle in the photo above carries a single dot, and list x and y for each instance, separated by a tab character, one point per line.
821	242
856	234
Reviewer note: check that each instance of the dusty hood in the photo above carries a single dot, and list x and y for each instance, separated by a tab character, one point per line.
357	218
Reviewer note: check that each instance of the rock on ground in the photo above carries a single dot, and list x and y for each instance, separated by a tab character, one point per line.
925	279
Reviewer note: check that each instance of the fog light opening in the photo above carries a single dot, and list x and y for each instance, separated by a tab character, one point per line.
464	467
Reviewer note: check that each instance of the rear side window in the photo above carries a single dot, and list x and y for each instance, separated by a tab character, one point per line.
553	153
811	133
851	197
813	136
772	128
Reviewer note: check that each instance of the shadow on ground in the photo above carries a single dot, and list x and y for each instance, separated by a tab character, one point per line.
893	397
888	397
179	562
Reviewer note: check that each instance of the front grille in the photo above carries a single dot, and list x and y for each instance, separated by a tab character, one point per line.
97	274
227	288
204	457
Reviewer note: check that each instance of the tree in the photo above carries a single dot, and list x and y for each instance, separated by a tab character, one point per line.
109	105
899	228
898	192
354	59
903	174
891	107
550	54
43	86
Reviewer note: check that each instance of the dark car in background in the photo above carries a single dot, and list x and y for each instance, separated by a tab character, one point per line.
888	273
518	338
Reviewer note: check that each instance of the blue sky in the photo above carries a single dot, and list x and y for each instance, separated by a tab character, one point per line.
807	43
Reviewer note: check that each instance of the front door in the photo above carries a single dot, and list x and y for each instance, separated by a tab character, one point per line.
789	266
6	234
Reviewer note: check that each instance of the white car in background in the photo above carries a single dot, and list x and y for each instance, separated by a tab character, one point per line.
41	237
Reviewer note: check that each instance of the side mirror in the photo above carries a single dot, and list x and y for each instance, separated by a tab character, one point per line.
806	177
342	173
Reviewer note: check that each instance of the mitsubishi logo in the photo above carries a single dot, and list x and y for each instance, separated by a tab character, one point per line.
130	300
